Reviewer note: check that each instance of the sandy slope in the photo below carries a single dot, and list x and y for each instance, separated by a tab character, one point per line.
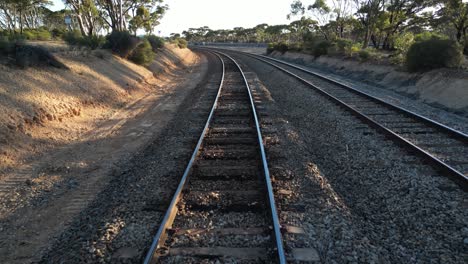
41	108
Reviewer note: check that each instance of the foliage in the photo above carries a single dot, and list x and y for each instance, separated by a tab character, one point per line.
37	34
143	53
297	47
403	42
341	47
434	53
364	54
427	35
156	42
6	46
75	38
26	55
180	42
121	43
284	47
321	48
146	19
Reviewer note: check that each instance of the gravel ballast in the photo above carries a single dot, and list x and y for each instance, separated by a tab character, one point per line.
119	225
365	199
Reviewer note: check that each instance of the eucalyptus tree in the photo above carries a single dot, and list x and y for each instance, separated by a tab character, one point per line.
454	14
324	12
18	13
118	13
87	15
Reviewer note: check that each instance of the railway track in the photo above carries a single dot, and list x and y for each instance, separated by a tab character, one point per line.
224	206
443	147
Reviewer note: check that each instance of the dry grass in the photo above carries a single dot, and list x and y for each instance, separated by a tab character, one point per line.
47	107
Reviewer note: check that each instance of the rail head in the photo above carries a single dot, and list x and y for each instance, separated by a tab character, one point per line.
271	199
456	133
159	238
456	176
451	130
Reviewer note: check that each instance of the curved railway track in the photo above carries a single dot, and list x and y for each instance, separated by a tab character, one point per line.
442	146
224	205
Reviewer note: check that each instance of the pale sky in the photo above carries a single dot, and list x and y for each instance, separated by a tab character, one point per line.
218	14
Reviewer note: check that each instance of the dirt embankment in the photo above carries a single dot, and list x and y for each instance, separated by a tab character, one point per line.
42	108
445	88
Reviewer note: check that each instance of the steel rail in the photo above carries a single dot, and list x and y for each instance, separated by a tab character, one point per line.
455	175
168	219
172	209
266	172
456	133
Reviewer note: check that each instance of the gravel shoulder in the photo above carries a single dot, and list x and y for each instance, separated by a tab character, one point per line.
360	197
434	111
118	225
67	179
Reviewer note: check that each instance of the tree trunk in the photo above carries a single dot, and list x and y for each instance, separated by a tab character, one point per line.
80	24
21	22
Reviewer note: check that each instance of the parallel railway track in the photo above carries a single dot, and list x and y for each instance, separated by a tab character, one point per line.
224	206
442	146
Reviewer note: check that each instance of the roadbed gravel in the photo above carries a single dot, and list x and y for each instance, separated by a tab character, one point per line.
360	197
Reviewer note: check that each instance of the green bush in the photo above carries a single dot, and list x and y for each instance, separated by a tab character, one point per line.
121	43
92	42
340	47
7	47
143	53
364	54
465	48
321	48
26	55
37	34
156	42
72	37
270	48
182	43
295	47
434	53
282	47
426	35
403	42
75	38
57	33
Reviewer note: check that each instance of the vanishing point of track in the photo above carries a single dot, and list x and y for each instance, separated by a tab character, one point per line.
442	146
224	205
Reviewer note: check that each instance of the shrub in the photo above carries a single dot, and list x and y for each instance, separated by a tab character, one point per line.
295	47
57	33
156	42
182	43
121	43
426	35
270	48
143	53
364	54
26	55
7	47
37	34
434	53
75	38
344	46
282	47
321	48
465	48
92	42
72	37
355	48
403	42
